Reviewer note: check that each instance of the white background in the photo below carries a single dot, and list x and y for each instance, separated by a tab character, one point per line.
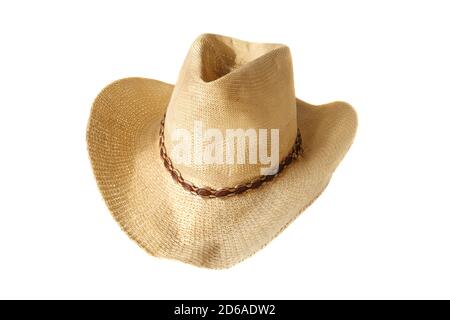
380	230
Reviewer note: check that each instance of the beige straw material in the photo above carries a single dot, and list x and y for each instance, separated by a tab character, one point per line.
225	83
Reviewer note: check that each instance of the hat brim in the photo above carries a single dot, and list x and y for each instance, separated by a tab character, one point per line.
169	222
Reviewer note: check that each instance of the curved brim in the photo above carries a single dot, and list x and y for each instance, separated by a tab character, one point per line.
169	222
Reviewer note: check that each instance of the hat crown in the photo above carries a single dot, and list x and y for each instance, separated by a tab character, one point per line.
226	83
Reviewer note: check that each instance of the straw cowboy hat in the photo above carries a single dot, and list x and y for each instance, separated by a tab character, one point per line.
214	215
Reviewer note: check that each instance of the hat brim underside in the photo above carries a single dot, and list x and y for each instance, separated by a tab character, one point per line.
169	222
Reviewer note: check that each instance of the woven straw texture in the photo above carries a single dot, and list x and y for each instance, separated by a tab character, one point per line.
225	83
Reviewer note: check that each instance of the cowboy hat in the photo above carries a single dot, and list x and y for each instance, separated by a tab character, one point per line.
214	214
